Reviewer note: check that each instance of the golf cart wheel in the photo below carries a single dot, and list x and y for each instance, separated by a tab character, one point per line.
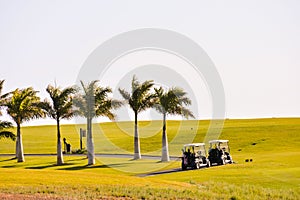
224	162
208	164
221	162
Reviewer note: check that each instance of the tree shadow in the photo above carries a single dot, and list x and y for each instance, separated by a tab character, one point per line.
48	166
9	159
76	159
160	172
9	166
41	166
83	167
93	166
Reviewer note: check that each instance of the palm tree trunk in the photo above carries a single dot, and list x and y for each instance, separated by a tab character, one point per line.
165	149
20	153
17	146
60	159
90	143
137	150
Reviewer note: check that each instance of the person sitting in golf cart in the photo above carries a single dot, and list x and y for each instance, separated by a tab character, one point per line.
226	153
216	152
189	155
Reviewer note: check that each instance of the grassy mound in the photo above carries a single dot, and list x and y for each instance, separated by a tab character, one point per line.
272	144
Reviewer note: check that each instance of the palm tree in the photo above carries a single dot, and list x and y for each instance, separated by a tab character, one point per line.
59	108
139	100
23	105
4	124
171	102
94	102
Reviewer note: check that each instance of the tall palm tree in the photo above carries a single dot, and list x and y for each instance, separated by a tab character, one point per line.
171	102
4	124
23	105
139	100
59	108
94	102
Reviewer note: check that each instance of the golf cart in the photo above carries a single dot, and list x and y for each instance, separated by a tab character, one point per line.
219	152
194	156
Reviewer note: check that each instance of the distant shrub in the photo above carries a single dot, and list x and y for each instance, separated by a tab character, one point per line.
79	151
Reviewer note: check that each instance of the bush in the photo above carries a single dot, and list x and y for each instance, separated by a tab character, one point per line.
79	151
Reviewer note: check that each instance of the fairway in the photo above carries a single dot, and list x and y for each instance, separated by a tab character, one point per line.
272	144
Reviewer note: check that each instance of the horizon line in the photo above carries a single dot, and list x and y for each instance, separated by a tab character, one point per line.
207	119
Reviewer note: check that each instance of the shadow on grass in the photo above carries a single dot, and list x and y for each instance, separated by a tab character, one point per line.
9	159
84	167
41	167
9	166
160	172
94	166
49	166
76	159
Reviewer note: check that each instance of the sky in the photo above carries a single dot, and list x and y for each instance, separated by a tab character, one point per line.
254	46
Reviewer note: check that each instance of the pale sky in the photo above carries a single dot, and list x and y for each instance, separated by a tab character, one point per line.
254	45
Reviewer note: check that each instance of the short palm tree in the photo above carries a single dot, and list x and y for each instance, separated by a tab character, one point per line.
23	105
139	100
171	102
59	108
4	124
94	102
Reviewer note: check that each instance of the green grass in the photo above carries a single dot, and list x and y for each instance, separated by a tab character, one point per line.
273	144
117	137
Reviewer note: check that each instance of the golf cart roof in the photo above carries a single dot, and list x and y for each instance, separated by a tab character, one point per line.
194	145
217	141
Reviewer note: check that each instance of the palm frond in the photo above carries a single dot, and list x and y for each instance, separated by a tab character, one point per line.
159	108
5	124
24	105
79	106
94	101
173	101
104	109
124	94
3	97
1	85
89	89
140	98
134	83
101	93
67	92
187	113
7	134
115	104
46	106
4	133
61	102
147	102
